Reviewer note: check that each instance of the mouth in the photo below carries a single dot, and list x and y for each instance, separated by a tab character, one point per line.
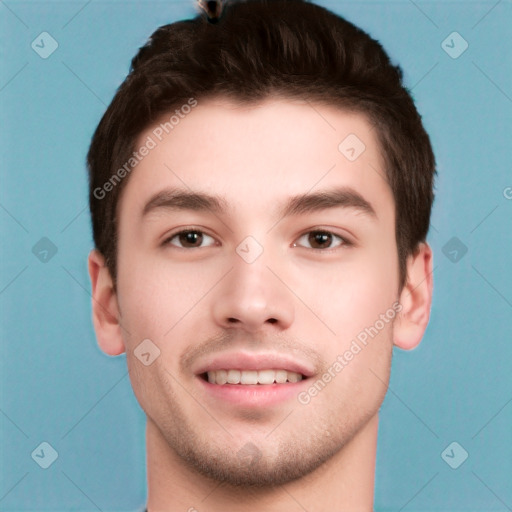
234	377
250	380
255	390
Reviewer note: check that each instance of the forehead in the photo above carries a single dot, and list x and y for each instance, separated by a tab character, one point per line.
257	155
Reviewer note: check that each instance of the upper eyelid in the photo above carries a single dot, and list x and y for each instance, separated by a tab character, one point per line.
345	241
168	238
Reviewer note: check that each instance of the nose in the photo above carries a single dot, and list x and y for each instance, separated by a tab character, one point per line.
251	297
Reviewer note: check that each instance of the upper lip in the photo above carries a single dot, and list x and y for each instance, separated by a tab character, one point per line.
253	361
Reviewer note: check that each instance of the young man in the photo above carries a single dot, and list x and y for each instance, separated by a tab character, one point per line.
260	191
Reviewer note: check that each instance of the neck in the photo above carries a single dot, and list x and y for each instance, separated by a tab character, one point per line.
344	483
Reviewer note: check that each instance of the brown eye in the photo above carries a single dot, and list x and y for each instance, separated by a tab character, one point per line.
320	239
188	239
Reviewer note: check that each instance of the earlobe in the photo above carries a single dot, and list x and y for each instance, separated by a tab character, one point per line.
105	309
416	299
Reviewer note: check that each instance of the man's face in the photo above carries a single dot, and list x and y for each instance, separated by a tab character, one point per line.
254	287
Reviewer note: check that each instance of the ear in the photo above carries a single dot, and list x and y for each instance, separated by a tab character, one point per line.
105	309
416	299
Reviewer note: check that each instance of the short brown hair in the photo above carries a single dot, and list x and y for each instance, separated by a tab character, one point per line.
258	49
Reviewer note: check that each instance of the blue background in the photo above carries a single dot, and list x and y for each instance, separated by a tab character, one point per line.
58	387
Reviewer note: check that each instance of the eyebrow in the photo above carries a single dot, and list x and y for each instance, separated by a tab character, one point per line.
178	199
341	197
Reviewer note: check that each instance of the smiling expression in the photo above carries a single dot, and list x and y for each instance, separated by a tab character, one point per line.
252	252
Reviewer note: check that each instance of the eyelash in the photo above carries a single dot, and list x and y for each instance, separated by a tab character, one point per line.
344	241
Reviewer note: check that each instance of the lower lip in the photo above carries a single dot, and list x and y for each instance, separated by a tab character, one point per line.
253	395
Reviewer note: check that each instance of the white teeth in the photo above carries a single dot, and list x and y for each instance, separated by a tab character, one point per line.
266	376
281	376
293	377
249	377
222	377
252	377
233	376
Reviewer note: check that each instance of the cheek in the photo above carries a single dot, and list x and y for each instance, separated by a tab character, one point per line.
155	294
147	296
354	298
351	296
